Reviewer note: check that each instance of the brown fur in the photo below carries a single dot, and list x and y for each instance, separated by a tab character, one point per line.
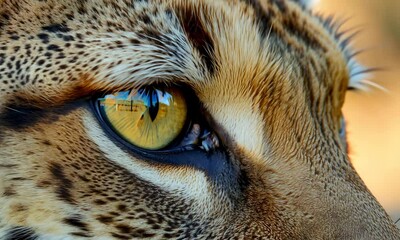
271	79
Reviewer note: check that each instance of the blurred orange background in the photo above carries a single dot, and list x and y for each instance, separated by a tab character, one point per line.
373	117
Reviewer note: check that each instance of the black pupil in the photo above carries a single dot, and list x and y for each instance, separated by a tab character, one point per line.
150	97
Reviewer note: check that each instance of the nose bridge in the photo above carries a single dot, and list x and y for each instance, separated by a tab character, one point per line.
298	169
321	200
323	191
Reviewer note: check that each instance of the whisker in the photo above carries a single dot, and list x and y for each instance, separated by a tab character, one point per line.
15	110
353	30
357	52
367	70
345	42
375	85
340	22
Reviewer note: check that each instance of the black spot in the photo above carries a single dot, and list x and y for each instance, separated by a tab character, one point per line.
40	62
198	36
79	45
19	179
76	221
104	219
18	65
68	38
47	142
70	16
44	37
53	47
64	185
122	208
145	19
56	28
99	202
63	66
79	36
14	37
122	228
20	233
48	54
134	41
4	18
81	234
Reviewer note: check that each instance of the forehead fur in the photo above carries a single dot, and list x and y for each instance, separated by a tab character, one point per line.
258	65
249	53
230	42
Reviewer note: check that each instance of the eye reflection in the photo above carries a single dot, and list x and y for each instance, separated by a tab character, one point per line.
148	118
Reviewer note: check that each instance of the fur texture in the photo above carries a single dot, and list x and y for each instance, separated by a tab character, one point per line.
270	78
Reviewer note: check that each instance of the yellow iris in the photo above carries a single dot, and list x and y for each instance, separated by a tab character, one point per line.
148	118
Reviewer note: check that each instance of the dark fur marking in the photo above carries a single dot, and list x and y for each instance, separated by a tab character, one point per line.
17	117
9	191
262	17
19	179
281	5
47	142
56	28
4	18
76	221
119	236
81	234
122	228
145	19
303	35
122	208
44	37
104	219
99	202
142	233
8	165
20	233
14	37
199	37
64	185
53	47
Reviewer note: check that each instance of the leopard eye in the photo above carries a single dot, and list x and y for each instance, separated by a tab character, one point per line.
149	118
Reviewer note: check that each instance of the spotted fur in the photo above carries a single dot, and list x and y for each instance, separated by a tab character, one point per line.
271	78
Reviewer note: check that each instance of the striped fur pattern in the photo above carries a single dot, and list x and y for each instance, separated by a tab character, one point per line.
270	77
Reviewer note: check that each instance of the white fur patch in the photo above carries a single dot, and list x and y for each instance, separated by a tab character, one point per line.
183	182
243	124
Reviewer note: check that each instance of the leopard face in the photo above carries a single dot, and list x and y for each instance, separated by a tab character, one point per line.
250	143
